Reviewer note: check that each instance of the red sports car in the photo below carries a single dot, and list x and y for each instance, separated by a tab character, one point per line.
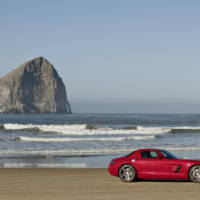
154	164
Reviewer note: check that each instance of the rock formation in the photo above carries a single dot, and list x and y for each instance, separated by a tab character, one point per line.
34	87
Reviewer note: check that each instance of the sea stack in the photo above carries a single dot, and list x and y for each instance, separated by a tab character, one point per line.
33	87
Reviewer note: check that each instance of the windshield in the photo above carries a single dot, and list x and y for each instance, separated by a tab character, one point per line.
167	154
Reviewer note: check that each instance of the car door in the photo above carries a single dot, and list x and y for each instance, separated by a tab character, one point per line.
150	165
153	165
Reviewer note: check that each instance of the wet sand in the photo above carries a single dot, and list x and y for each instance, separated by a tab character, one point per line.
86	184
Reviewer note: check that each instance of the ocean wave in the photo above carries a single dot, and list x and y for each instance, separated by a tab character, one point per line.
63	152
185	129
85	152
8	139
43	165
184	148
88	129
39	139
2	126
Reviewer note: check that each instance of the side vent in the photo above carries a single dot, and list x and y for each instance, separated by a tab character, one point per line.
178	168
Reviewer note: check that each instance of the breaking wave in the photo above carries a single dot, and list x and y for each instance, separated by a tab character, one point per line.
88	129
38	139
85	129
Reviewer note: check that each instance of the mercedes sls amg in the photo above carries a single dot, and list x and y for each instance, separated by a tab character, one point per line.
154	164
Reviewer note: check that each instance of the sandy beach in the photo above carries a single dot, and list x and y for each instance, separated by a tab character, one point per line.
85	184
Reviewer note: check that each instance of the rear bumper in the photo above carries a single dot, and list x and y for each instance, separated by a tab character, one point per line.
113	170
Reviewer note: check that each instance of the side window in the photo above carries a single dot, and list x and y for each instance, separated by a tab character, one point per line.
149	154
153	154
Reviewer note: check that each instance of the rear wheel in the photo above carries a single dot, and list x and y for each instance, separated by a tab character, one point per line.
127	173
194	174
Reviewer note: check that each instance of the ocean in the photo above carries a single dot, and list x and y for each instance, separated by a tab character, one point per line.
92	140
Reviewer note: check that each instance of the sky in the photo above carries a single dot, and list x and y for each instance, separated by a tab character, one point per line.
113	55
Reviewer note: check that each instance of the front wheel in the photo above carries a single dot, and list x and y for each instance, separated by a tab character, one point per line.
127	173
194	174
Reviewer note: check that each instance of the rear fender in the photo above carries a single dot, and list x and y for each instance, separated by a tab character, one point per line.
126	164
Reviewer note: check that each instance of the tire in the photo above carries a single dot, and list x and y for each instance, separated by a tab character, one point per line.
194	174
127	173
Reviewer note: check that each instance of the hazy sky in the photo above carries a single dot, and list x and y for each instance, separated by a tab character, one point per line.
110	51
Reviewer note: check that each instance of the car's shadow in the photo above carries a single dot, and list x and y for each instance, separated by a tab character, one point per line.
163	180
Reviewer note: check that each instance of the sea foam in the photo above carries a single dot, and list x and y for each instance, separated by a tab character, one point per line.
82	129
64	139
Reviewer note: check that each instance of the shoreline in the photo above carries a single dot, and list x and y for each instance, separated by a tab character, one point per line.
86	184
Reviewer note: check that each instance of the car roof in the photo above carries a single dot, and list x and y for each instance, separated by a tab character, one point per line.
148	150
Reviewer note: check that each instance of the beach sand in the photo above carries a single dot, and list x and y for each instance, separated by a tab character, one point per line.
86	184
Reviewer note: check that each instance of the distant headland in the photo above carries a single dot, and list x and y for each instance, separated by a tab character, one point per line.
33	87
